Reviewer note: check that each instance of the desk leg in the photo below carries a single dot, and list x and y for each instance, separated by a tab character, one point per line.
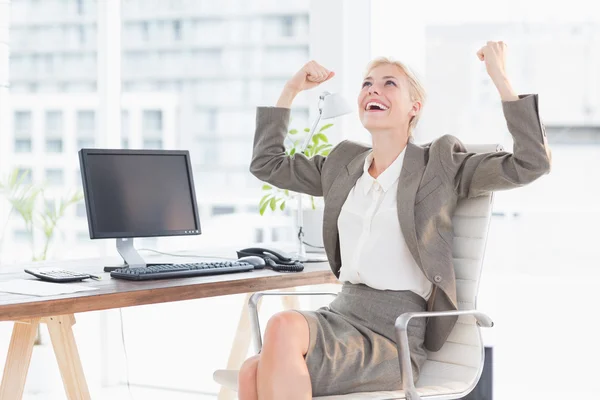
290	302
239	350
18	358
241	341
65	348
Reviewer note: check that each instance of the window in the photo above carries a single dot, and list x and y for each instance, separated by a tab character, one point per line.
86	121
145	31
78	178
153	144
86	129
287	26
125	129
193	79
80	210
53	73
177	30
22	123
573	135
24	176
222	210
259	235
54	131
81	35
22	236
85	143
152	122
54	145
82	236
54	177
22	145
50	205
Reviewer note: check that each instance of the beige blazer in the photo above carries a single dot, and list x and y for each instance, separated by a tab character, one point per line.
433	177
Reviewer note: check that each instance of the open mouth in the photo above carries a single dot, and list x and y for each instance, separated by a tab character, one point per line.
375	106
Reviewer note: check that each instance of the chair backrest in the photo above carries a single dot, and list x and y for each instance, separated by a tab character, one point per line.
460	361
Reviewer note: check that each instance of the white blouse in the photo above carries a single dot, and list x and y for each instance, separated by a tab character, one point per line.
372	246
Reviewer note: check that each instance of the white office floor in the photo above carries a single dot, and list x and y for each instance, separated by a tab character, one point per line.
122	393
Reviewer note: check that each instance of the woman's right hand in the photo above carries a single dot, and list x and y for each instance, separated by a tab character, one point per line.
309	76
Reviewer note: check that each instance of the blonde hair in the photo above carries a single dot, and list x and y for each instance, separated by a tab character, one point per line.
416	89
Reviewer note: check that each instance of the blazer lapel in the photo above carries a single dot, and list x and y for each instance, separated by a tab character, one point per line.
410	178
337	194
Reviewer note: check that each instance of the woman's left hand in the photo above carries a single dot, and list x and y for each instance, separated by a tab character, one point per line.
494	56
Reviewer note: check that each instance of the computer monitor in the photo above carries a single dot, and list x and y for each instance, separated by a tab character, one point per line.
138	193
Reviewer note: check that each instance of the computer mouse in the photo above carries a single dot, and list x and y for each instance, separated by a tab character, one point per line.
256	261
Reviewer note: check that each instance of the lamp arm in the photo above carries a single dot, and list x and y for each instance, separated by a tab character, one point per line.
312	132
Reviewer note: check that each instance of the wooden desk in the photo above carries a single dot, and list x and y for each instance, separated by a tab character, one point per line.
57	312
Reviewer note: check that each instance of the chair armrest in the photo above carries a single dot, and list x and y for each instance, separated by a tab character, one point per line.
401	326
253	310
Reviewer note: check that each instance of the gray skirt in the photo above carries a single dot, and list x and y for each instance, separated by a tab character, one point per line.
352	344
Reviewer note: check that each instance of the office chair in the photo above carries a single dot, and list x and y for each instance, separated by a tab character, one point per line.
454	370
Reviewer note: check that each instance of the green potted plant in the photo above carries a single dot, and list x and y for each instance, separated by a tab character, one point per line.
276	198
30	203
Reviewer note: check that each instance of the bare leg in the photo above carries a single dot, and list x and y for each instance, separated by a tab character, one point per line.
247	379
282	372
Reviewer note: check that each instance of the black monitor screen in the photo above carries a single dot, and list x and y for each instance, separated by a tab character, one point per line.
139	193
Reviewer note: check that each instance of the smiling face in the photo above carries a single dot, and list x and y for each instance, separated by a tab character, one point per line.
384	101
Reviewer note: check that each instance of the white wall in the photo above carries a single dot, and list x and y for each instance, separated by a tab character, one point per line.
340	40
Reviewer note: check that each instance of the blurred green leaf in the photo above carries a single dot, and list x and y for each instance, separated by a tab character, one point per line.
263	200
40	214
321	137
325	127
318	145
263	208
319	149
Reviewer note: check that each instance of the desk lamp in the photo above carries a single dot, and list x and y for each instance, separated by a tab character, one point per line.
330	105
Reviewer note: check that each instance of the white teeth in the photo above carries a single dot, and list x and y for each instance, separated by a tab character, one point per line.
374	103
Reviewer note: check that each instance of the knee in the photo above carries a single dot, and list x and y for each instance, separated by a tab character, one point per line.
287	328
247	373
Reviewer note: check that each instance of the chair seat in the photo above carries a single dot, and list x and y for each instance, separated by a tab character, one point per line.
229	379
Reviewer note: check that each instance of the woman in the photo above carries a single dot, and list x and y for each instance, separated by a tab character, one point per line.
387	230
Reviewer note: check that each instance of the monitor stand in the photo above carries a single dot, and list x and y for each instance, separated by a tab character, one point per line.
131	257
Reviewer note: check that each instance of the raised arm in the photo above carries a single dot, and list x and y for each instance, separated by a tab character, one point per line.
269	162
476	174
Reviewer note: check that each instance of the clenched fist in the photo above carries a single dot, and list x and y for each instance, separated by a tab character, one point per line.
494	56
312	74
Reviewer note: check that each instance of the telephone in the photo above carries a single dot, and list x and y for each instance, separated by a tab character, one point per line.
275	259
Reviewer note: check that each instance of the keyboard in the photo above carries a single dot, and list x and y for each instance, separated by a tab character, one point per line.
166	271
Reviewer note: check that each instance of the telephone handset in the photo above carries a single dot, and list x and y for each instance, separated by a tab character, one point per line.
275	259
